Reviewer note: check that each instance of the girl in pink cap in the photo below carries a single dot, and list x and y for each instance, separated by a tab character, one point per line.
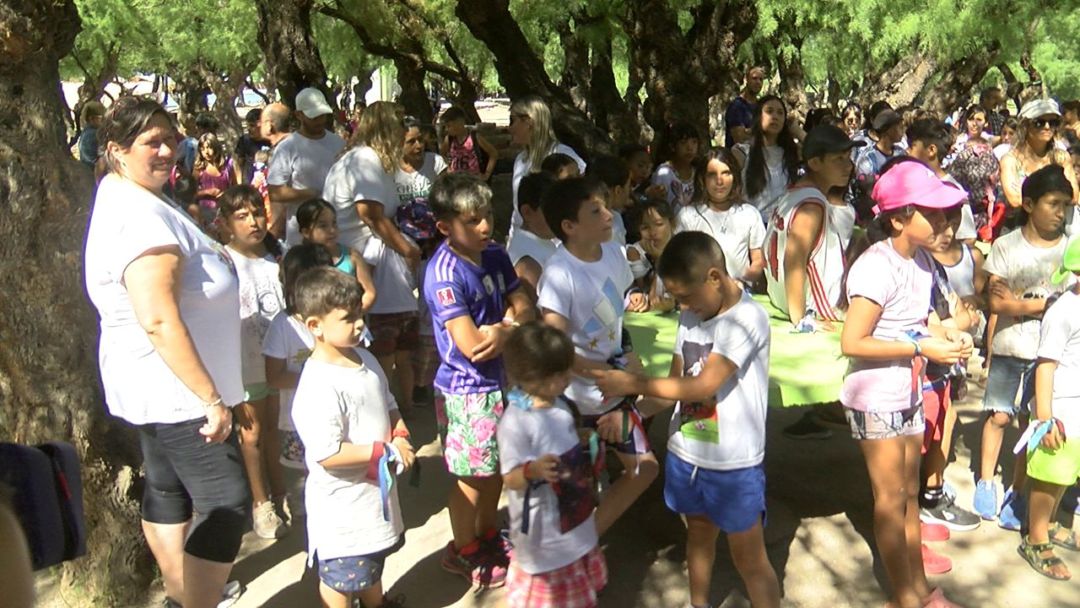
888	341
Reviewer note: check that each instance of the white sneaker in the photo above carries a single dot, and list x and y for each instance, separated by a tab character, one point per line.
266	522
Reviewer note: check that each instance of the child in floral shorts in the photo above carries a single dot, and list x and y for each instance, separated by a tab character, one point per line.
475	299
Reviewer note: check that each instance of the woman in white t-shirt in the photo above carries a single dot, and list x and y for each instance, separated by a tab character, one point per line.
361	186
770	160
530	128
720	211
169	353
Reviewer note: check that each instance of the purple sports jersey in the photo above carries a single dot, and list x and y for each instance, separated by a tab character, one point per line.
454	286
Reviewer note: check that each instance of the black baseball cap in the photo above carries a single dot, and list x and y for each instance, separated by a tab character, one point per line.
827	139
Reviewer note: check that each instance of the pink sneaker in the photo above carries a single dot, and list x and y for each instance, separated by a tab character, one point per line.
935	563
933	532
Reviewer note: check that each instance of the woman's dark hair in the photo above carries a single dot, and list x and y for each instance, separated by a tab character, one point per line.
310	210
298	259
756	169
701	195
971	111
242	196
536	351
1050	178
126	118
675	134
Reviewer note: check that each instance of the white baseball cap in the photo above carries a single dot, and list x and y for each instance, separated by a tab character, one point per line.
1039	107
311	102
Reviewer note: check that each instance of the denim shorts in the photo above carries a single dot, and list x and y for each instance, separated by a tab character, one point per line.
1007	376
886	425
733	500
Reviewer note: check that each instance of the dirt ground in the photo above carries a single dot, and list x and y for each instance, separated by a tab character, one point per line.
819	538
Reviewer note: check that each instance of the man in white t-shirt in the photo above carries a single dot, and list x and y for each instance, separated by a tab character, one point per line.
714	473
301	161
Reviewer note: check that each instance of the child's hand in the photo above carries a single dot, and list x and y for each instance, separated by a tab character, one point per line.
614	383
408	456
491	346
545	468
962	338
1052	440
637	302
945	352
610	426
656	191
1000	289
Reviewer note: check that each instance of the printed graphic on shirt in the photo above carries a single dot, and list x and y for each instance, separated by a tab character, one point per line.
698	418
606	313
446	296
575	489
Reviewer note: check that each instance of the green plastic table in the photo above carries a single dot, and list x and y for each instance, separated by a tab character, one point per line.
804	369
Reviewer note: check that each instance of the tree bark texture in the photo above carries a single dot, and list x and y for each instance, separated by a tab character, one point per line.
291	56
49	386
521	72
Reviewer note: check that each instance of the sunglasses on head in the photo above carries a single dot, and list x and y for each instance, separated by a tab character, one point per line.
1047	123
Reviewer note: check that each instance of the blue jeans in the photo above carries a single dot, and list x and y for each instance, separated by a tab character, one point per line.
1008	375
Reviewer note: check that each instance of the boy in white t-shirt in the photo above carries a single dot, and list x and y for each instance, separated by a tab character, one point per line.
1053	463
585	290
1020	265
531	245
354	440
714	473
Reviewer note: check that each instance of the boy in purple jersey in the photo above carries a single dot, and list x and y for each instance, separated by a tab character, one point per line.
475	300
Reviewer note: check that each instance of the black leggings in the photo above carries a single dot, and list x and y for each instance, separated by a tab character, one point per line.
186	475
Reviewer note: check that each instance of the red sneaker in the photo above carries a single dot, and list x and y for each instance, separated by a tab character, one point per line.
476	566
935	563
933	532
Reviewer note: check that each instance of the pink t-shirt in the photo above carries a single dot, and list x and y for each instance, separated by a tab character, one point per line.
902	288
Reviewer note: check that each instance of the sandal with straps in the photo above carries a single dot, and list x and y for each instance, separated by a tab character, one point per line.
1033	555
1069	542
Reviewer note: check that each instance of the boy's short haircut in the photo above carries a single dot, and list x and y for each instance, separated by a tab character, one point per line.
688	257
611	170
931	132
455	194
92	109
1050	178
554	163
532	188
564	199
298	260
321	291
536	351
451	114
253	116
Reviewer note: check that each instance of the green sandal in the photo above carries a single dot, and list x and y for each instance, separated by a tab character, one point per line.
1032	554
1070	542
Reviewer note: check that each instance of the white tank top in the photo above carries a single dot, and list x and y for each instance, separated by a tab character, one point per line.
825	270
962	274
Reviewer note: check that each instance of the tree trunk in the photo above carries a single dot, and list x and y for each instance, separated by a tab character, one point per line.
957	81
901	84
575	73
522	72
607	108
793	84
48	366
414	95
292	58
226	88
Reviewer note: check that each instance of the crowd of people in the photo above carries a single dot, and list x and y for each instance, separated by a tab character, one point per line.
313	290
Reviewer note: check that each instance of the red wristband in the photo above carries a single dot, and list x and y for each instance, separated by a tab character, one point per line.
377	450
400	433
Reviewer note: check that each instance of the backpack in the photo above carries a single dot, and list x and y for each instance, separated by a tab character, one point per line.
415	220
47	499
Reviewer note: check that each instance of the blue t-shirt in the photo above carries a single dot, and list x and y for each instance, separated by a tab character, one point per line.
739	113
454	286
88	147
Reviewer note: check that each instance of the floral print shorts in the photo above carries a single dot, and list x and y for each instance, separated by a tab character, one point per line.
470	447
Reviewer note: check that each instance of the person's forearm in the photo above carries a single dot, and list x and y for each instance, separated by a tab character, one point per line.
389	233
795	289
876	349
287	195
515	479
1017	308
285	380
687	388
349	455
174	345
1044	389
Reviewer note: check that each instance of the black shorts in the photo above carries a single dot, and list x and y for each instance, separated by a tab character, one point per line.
187	476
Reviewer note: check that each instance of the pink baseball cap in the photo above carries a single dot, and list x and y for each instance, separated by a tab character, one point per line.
913	183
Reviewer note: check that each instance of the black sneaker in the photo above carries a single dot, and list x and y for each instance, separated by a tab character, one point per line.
807	428
947	514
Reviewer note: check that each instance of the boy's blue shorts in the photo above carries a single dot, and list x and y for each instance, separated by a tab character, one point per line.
734	500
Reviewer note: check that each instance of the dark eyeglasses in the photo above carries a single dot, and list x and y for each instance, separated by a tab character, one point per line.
1047	123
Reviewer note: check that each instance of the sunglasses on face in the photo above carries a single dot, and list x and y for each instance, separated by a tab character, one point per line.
1047	123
